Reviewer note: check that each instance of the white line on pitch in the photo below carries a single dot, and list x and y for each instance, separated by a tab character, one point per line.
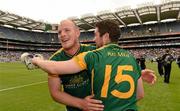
22	86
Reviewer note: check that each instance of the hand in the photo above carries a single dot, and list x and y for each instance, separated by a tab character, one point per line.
148	76
39	56
93	104
26	58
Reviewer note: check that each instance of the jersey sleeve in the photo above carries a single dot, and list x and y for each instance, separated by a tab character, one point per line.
84	60
79	59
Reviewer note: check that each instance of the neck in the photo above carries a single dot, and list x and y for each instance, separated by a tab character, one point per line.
72	51
109	42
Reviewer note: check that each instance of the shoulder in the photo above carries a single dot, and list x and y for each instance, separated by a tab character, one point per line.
100	49
95	53
57	53
88	47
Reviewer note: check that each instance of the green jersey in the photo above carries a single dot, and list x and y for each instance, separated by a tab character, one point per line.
115	74
78	85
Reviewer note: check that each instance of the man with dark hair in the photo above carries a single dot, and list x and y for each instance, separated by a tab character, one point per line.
116	76
167	61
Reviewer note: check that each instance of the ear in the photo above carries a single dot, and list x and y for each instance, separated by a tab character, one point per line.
106	38
78	32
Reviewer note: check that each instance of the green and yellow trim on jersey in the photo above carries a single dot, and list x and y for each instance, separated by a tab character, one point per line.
79	59
57	52
86	45
92	82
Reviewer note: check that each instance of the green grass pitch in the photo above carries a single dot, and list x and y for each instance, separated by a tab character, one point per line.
25	90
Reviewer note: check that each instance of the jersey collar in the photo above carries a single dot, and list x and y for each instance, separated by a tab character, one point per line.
112	45
73	54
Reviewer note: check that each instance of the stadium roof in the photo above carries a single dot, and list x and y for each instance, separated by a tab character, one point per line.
127	16
124	16
18	21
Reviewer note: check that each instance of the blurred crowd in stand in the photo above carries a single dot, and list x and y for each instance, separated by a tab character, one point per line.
13	56
152	54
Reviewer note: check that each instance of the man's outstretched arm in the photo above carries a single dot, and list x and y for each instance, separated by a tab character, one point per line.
57	67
